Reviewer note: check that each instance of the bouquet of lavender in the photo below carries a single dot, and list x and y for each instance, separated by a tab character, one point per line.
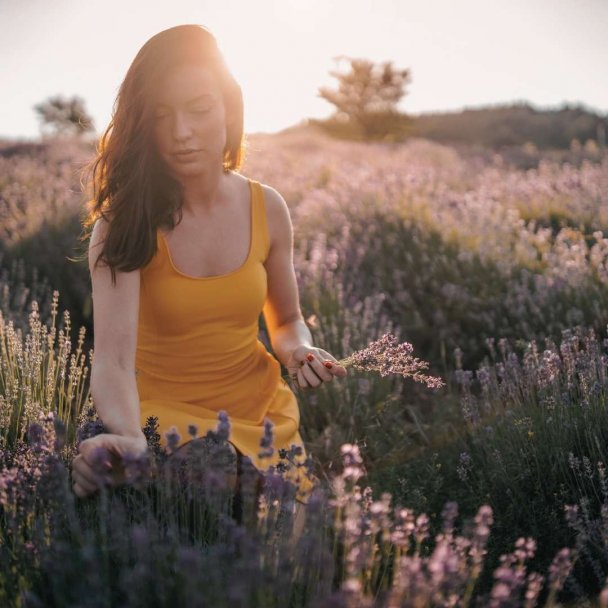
387	356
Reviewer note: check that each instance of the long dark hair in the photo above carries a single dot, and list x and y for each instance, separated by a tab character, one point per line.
130	188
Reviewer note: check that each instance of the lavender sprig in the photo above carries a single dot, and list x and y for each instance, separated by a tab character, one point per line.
387	356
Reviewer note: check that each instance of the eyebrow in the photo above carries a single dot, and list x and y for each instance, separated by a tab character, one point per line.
202	97
197	98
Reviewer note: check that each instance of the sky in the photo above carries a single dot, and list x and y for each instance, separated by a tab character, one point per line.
460	54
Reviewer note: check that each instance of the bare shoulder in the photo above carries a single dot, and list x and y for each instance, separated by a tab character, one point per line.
277	211
99	232
97	237
274	199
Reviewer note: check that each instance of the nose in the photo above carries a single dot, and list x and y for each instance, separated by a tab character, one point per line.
181	127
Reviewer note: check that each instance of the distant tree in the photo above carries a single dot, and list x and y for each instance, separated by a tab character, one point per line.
61	115
367	97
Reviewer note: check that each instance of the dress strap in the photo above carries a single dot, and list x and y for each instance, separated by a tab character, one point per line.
260	219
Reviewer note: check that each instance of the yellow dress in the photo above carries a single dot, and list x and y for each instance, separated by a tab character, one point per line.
198	352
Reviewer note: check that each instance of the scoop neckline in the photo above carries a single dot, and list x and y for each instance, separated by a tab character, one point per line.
227	274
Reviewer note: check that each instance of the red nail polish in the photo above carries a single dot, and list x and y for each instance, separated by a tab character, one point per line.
310	356
328	365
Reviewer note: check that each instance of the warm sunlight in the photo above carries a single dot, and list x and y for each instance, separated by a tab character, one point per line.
303	304
282	51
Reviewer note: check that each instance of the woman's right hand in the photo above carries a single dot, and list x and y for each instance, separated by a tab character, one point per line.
88	474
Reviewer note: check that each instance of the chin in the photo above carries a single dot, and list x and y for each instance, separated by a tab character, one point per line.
189	169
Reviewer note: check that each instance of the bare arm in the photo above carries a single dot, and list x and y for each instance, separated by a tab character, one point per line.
290	337
115	317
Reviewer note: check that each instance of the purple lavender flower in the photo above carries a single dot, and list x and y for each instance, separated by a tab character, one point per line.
509	581
99	457
138	469
276	486
172	436
150	431
223	427
483	376
60	433
463	378
535	584
421	529
484	519
35	433
525	549
387	356
449	514
90	428
352	462
266	441
548	369
510	577
560	569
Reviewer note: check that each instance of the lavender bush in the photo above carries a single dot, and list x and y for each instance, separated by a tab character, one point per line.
536	425
461	245
41	203
169	534
443	249
39	372
155	544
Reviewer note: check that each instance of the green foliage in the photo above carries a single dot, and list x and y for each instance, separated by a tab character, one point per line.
52	251
62	115
535	427
40	372
507	126
389	126
366	101
41	206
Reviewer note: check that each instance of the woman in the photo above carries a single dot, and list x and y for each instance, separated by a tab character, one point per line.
184	254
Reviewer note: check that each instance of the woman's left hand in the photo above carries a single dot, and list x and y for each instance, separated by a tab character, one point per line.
310	366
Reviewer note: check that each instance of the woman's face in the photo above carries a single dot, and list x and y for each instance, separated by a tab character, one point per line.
189	113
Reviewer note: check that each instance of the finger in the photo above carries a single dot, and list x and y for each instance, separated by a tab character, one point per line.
335	368
80	465
93	452
338	370
81	470
109	447
115	475
318	368
79	491
83	492
302	382
326	378
310	376
92	470
83	487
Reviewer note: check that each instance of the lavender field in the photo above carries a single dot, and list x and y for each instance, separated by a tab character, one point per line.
490	491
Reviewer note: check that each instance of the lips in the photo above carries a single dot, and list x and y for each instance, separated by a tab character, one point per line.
186	157
185	152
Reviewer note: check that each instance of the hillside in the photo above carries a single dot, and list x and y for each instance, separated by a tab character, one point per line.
499	127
